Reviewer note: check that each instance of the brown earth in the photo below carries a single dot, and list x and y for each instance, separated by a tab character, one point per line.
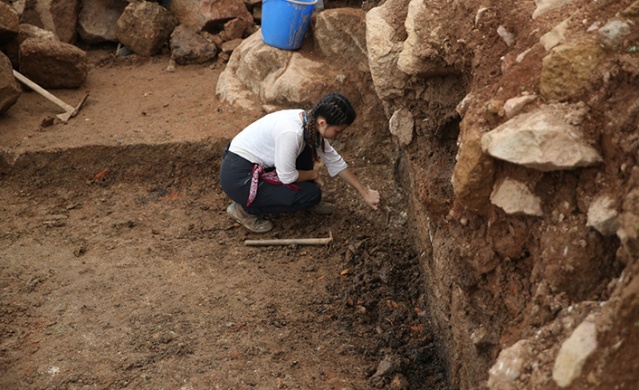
120	267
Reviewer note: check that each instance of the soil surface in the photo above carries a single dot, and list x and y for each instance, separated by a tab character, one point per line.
121	269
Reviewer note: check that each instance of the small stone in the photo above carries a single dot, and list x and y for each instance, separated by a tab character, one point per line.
613	33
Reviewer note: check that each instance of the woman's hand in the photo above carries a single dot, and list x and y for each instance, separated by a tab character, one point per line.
312	175
308	175
371	197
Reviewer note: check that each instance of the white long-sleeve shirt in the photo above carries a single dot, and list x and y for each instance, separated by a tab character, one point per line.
276	140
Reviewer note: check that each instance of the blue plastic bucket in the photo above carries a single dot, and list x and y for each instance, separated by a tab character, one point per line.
284	22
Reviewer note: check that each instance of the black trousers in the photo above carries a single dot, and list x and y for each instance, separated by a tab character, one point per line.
235	179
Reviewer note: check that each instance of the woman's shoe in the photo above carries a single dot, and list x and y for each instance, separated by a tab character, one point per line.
251	222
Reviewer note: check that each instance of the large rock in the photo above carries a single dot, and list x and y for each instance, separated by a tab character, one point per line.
236	29
298	83
473	171
422	50
567	69
188	46
209	15
9	23
250	64
58	16
542	140
259	74
145	27
96	22
340	34
9	88
385	34
12	49
53	64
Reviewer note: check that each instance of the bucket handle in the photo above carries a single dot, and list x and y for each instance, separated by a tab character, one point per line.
313	2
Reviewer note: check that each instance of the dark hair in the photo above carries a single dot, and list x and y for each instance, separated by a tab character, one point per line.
335	109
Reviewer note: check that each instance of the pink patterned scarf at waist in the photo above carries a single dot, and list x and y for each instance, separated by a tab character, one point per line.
268	177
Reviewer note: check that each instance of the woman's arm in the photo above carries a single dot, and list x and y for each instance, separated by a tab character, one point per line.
371	197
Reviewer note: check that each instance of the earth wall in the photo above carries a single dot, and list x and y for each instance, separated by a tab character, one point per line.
509	289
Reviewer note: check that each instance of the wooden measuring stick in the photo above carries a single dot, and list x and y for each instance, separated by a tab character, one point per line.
290	241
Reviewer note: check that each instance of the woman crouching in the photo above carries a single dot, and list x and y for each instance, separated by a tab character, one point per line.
269	167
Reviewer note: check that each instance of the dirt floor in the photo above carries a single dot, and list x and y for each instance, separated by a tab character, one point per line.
120	268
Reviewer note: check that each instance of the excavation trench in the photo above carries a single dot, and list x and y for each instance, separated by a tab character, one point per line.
121	269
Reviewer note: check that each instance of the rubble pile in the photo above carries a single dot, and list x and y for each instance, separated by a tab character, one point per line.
44	40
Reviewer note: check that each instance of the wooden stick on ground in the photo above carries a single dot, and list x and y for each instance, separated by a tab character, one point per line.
70	111
291	241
